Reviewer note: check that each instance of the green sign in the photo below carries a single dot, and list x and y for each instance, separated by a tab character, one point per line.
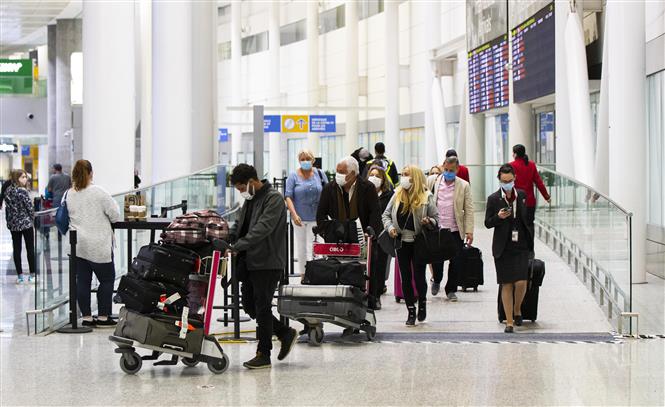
15	67
15	76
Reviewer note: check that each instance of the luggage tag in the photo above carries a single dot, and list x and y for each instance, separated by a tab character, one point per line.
185	324
516	235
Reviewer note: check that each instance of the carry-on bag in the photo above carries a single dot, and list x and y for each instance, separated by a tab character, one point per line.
342	301
166	263
470	270
150	296
321	272
530	304
399	294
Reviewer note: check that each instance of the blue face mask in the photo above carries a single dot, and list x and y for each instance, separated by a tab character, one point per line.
449	176
508	186
306	165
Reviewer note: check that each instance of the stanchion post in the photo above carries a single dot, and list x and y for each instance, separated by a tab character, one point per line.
73	312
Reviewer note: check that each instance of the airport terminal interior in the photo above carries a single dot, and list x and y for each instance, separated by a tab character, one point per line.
166	165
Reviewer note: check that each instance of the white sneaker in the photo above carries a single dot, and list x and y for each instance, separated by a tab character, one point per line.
20	280
31	279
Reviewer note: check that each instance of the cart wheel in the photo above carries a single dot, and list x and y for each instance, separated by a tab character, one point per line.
189	362
219	366
371	333
398	300
475	289
463	289
130	362
316	336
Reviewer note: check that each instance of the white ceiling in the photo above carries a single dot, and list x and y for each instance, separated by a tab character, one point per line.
23	22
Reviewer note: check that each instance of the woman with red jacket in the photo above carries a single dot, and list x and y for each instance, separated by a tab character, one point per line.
526	175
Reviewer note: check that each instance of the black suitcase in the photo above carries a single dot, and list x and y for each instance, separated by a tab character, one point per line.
530	303
145	296
166	263
341	301
470	268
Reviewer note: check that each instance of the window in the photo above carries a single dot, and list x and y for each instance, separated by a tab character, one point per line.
224	51
293	32
496	139
411	141
368	8
656	148
545	141
332	150
255	43
452	135
368	140
332	19
223	14
294	146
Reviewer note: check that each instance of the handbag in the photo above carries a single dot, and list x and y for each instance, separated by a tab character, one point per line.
62	217
434	246
388	244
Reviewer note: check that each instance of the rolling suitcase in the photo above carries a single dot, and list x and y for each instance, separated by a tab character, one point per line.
470	268
530	303
399	295
341	301
148	296
166	263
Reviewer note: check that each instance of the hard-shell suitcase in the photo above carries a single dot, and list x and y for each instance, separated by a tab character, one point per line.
149	296
342	301
470	270
530	303
166	263
399	295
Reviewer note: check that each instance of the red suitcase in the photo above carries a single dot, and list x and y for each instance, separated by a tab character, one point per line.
399	295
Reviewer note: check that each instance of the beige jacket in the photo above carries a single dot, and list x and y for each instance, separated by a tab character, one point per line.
463	204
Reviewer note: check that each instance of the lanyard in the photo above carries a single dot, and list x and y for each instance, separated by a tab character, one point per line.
514	204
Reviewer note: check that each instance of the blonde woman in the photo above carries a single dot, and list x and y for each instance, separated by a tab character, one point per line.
412	207
303	192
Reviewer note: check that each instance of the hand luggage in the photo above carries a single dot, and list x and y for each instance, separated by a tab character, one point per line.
399	295
166	263
530	303
352	273
470	271
150	297
342	301
332	271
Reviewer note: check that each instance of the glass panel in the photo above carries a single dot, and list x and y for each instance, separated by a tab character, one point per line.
255	43
332	19
293	32
411	144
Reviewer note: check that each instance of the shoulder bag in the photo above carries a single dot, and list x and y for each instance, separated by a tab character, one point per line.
62	216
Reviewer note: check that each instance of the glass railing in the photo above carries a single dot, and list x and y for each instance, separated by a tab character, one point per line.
586	229
205	189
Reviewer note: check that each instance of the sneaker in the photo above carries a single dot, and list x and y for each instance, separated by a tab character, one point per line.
31	279
108	323
435	287
452	297
259	362
288	341
422	311
89	323
411	319
20	279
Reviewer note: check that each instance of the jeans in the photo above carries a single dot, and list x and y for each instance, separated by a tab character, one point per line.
257	295
304	240
453	267
105	273
405	257
28	236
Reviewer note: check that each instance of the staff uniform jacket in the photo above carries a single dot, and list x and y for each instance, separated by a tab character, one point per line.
462	203
503	227
265	241
429	210
525	176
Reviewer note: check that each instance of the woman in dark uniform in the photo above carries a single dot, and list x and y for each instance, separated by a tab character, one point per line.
512	242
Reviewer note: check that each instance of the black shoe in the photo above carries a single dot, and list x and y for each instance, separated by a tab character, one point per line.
518	320
411	320
91	324
287	342
259	362
509	329
377	304
422	311
385	290
108	323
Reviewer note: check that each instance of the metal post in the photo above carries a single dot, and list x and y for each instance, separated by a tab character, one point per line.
258	139
235	313
73	311
630	268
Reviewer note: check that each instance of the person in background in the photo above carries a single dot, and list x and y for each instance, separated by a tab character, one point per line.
455	206
381	160
258	239
462	172
362	155
381	259
511	244
20	214
526	176
303	191
5	185
92	210
58	184
412	207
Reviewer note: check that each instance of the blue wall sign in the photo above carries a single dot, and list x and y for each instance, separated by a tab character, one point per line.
223	135
25	151
272	124
322	124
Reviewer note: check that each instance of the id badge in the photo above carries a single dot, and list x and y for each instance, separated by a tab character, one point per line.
516	235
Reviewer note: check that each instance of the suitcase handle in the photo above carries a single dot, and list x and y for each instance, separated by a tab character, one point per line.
314	303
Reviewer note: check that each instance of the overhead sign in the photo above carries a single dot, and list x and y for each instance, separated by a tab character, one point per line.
322	124
295	124
15	67
25	151
8	148
271	124
223	135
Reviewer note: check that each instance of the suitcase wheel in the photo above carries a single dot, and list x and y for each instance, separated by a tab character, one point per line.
219	366
316	336
398	300
189	362
463	288
371	333
130	362
475	289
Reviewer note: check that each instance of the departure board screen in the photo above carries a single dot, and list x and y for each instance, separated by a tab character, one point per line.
533	56
488	75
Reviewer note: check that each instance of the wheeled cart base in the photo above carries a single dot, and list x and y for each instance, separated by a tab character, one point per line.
315	324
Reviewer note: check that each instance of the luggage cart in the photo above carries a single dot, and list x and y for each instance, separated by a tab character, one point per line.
210	353
305	299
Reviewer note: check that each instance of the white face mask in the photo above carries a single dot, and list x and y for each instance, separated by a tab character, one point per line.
405	182
246	195
340	179
376	181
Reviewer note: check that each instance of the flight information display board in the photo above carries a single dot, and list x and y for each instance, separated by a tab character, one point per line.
533	56
488	75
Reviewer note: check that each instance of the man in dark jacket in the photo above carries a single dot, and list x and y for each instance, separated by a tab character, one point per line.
259	242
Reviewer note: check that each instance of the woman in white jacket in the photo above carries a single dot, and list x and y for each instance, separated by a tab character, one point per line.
411	207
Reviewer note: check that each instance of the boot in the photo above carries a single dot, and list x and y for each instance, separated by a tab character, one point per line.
422	311
411	320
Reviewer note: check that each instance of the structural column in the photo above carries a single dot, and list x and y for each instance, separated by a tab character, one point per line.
144	52
627	117
51	94
351	99
68	40
276	163
108	92
391	137
313	66
236	59
473	127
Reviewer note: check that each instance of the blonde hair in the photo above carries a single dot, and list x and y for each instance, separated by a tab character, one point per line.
416	196
306	154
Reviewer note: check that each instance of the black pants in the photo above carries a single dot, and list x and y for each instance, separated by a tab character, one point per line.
453	267
28	236
405	258
105	273
257	294
377	280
